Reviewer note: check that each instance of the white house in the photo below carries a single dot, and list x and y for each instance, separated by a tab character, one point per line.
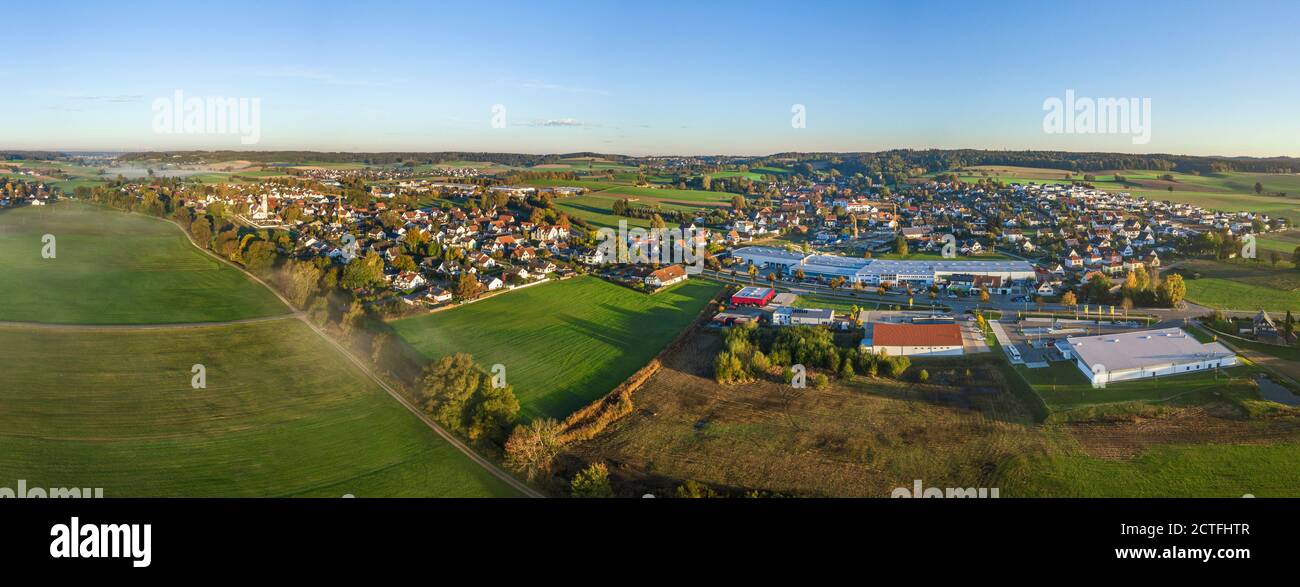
408	280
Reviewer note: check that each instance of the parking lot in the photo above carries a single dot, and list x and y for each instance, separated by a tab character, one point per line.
972	338
1034	339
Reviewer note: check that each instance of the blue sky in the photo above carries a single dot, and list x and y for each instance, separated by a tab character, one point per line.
653	78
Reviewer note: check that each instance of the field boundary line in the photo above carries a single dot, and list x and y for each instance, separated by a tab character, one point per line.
497	472
164	326
592	419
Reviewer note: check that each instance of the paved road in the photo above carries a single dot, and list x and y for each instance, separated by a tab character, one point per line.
1167	316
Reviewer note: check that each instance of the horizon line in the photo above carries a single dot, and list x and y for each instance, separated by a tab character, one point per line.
666	154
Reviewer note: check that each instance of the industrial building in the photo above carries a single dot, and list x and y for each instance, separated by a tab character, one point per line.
1127	356
753	296
913	340
877	271
787	316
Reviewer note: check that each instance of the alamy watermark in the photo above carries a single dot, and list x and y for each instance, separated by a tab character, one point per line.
498	119
127	541
49	248
200	378
23	491
918	491
949	250
654	246
178	114
798	376
1083	115
498	376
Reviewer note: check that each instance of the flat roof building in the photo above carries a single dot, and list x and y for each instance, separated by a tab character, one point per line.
753	296
1127	356
787	316
783	299
876	271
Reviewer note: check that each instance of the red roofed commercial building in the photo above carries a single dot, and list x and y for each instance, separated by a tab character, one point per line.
924	340
667	276
753	296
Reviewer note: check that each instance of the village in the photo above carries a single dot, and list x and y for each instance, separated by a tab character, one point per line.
914	271
1045	243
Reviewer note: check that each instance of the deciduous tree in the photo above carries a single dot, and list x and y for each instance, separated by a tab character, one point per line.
592	481
532	447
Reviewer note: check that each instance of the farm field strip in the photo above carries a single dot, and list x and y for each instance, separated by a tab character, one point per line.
1242	285
116	268
563	344
282	414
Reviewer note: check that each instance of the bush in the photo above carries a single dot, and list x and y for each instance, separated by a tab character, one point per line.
895	366
923	376
727	368
695	490
592	481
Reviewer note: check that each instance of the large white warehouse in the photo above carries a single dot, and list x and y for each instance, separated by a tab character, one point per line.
877	271
1112	358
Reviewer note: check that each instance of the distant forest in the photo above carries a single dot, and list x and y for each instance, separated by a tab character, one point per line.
949	159
898	162
395	158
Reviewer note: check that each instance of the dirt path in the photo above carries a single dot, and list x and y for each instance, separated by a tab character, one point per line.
491	467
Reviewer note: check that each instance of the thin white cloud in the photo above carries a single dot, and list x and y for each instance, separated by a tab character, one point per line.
313	74
63	101
109	98
85	96
557	123
541	85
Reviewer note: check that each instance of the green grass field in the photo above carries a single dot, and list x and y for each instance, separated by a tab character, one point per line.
670	195
1243	285
584	164
751	175
1063	387
283	414
1201	470
1284	243
563	344
841	306
597	211
1221	191
116	268
596	207
576	183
